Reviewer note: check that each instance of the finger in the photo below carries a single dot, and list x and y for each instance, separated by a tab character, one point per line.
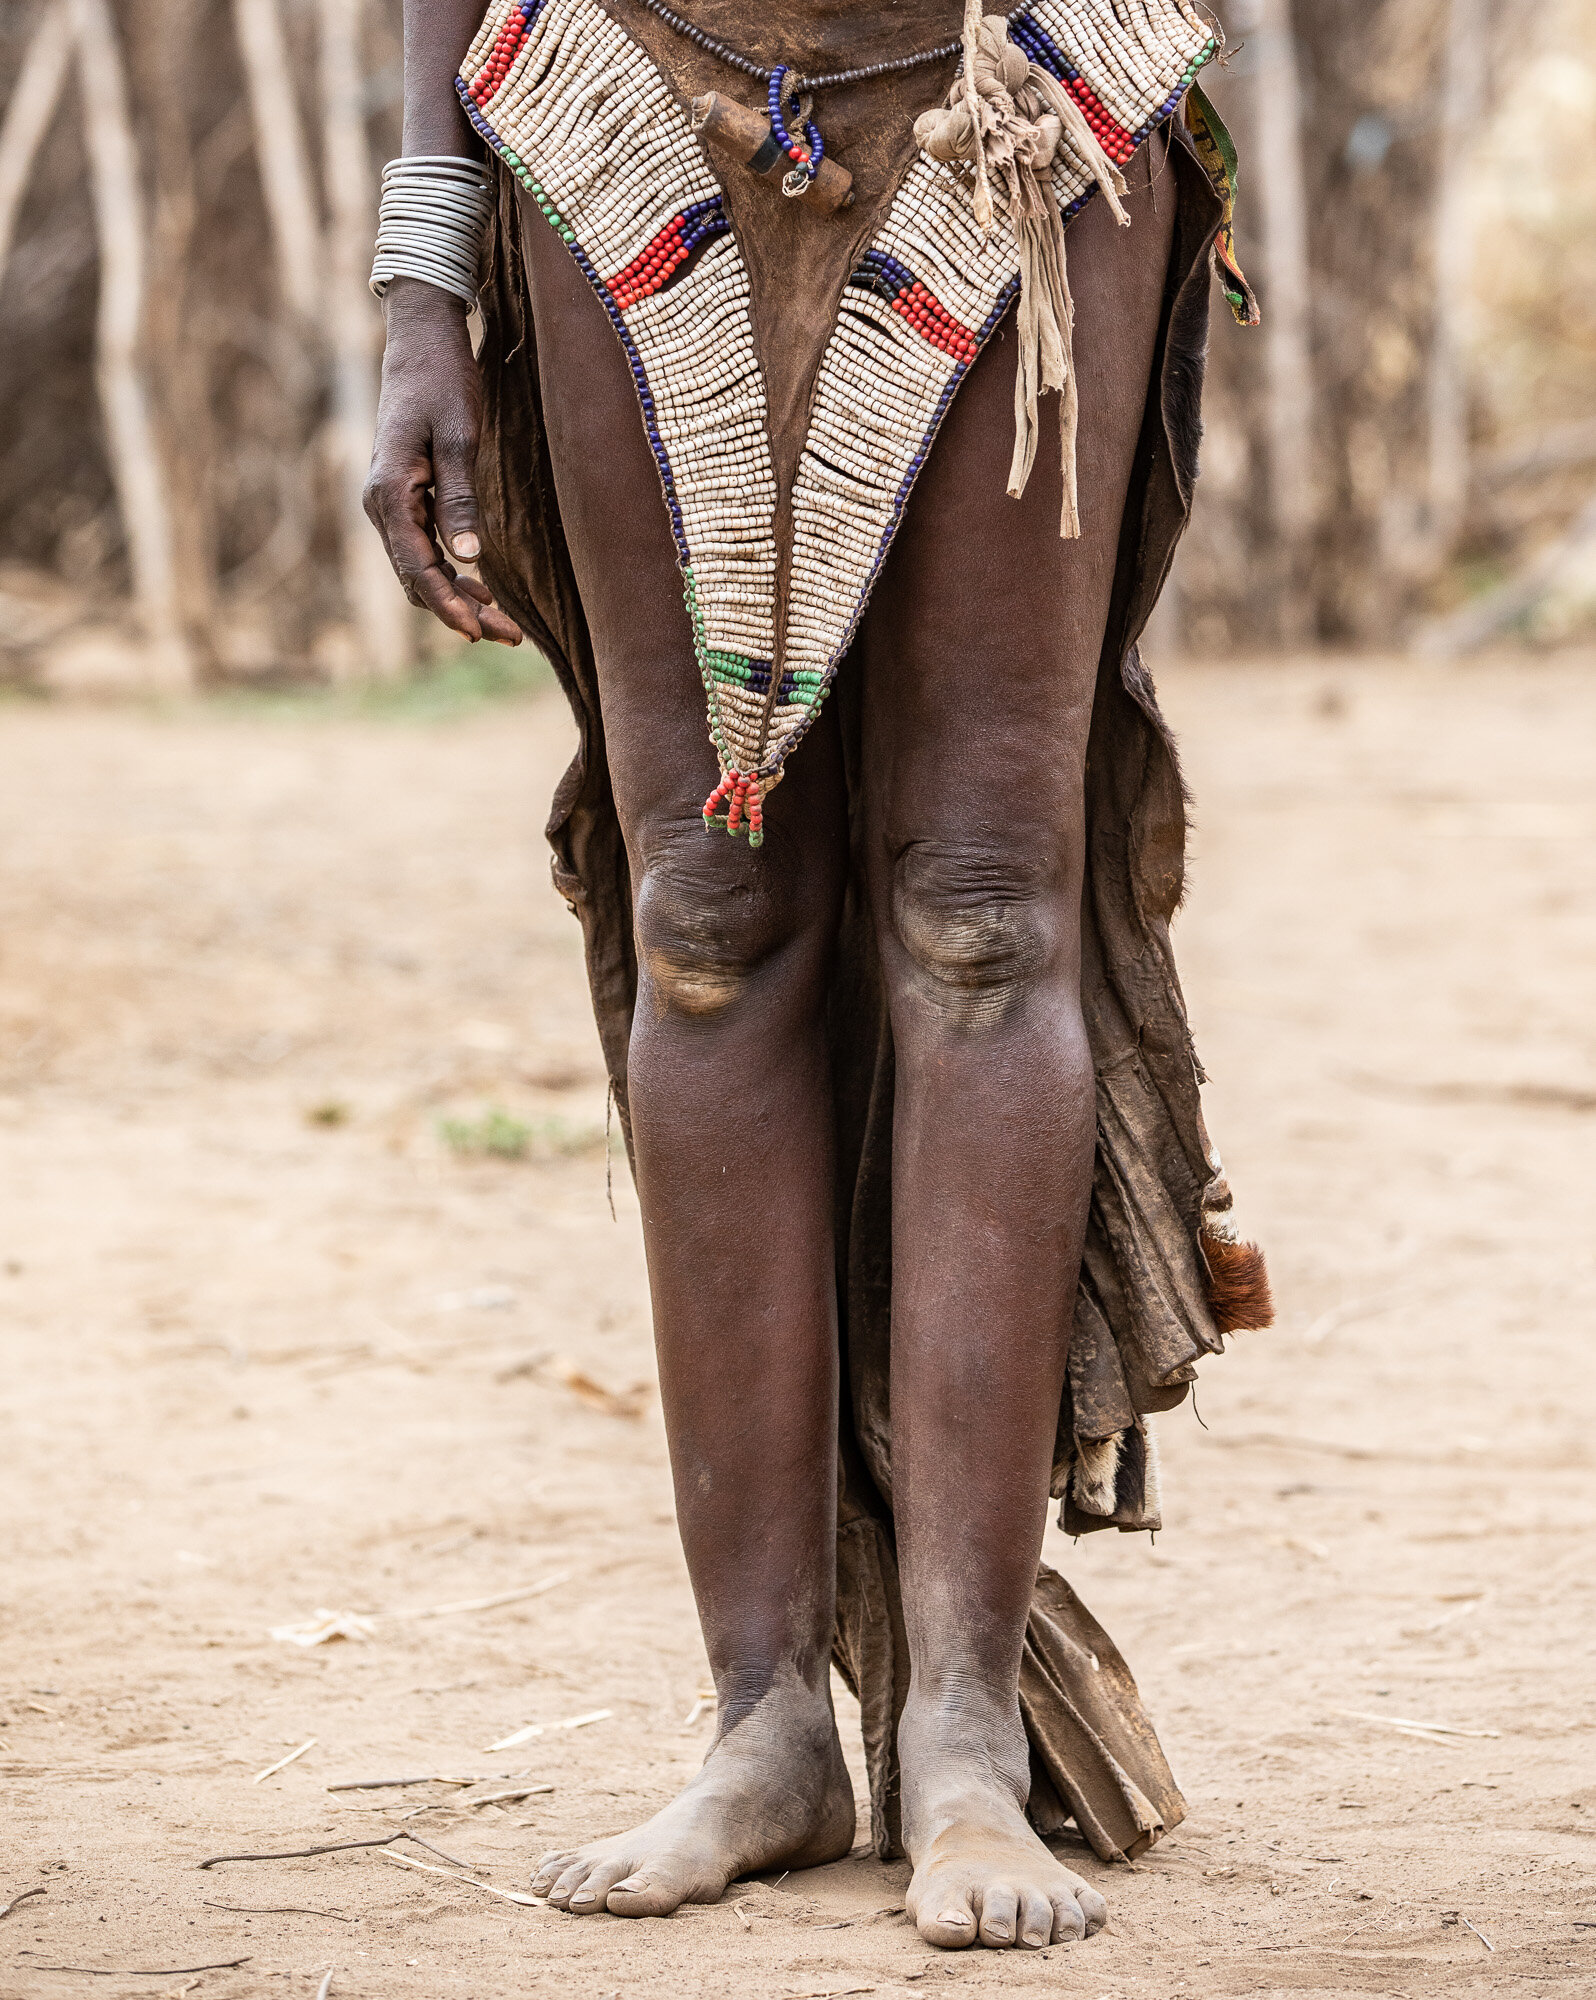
454	501
401	508
403	514
432	587
496	625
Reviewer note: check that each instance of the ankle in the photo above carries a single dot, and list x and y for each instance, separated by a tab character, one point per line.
961	1731
783	1698
961	1699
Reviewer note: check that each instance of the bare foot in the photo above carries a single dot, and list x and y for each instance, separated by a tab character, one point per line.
981	1875
773	1793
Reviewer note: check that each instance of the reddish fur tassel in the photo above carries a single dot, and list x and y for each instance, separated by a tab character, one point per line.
1238	1284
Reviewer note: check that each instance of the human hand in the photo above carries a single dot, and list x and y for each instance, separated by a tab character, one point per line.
420	493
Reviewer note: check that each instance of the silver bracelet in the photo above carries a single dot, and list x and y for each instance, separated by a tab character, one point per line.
435	212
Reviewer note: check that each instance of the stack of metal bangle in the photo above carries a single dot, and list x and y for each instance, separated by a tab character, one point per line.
435	212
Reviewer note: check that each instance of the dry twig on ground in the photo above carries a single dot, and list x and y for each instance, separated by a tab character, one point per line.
334	1847
145	1971
278	1910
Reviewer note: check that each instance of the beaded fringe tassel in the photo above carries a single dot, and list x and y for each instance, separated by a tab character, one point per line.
580	115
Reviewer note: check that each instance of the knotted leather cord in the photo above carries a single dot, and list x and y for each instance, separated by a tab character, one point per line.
1007	115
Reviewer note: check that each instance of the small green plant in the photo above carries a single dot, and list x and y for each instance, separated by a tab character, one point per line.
332	1112
499	1136
495	1135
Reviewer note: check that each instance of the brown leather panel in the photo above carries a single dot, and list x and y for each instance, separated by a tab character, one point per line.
798	260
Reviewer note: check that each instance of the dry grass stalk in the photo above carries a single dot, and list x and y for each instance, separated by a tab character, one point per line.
1408	1726
7	1908
539	1728
385	1784
509	1895
282	1763
488	1603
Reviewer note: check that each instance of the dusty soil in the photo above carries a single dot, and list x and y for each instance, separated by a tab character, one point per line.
272	1348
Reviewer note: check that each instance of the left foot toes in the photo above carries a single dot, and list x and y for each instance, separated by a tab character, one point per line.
999	1908
1036	1920
950	1929
1092	1908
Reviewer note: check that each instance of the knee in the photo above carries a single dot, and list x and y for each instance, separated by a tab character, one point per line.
709	917
979	925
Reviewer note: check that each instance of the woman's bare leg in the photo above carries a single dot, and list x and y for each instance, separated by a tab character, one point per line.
981	651
731	1113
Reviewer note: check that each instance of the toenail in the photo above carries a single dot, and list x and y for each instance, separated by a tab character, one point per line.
583	1896
958	1918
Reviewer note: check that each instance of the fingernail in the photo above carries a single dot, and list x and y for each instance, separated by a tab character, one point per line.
467	547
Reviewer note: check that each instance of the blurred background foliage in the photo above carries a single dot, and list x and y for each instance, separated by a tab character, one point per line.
1405	452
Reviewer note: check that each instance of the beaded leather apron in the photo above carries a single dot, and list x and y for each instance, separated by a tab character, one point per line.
787	459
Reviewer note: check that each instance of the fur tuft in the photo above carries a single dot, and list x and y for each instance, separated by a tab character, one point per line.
1097	1474
1238	1284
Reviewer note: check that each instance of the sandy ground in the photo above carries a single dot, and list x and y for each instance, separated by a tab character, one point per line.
271	1348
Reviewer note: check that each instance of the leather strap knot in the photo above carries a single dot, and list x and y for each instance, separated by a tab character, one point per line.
1009	117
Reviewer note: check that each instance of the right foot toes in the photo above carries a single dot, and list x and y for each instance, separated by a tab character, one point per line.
641	1896
568	1883
594	1892
549	1871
